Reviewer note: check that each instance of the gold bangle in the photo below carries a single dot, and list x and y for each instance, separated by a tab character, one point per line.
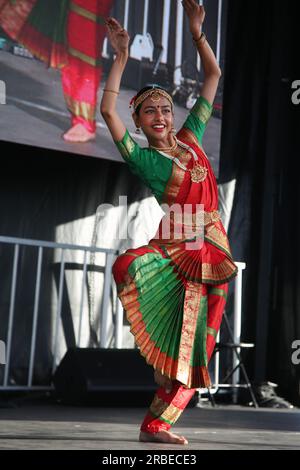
111	91
202	38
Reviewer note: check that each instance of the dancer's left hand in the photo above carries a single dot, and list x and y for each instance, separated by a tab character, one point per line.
195	14
117	35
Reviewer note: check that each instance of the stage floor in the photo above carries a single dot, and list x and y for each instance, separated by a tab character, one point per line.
52	426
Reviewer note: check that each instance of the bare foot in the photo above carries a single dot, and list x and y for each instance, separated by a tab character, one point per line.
78	133
163	381
166	437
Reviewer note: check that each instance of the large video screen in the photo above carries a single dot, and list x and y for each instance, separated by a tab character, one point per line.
54	59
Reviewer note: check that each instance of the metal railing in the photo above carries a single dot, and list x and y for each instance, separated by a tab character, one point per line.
118	313
236	333
40	246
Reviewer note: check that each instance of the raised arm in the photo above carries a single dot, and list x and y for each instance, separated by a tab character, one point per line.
119	40
212	72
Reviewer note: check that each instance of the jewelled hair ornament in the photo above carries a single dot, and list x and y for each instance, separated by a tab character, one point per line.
154	93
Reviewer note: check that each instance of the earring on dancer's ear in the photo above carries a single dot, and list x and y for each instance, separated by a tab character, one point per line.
138	130
173	130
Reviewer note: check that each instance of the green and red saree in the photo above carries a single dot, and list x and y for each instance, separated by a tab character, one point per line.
66	34
174	296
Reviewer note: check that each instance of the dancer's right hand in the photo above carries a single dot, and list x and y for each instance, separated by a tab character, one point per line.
117	35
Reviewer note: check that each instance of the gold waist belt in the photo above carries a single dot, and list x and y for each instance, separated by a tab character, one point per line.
178	222
175	228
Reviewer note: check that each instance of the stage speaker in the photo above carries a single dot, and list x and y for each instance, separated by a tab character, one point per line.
104	377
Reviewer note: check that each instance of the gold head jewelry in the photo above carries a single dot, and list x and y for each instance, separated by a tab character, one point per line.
155	94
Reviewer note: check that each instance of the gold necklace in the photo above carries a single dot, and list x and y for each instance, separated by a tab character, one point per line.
198	172
166	149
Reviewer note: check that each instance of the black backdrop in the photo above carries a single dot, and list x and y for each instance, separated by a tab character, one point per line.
259	150
39	189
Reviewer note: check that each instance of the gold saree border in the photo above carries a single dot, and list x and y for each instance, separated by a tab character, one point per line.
86	13
79	108
188	136
188	375
165	411
215	235
176	179
192	301
84	57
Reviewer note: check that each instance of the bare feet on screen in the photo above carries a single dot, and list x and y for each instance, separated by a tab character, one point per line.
78	133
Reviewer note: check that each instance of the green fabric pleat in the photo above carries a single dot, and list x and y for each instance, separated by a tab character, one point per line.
161	301
173	331
199	356
50	19
160	298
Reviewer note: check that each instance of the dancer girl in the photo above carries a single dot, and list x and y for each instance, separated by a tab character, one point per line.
173	289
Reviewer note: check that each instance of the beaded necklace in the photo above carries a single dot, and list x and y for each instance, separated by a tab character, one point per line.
198	172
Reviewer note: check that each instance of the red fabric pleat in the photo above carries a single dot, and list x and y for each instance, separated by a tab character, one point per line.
179	397
80	79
